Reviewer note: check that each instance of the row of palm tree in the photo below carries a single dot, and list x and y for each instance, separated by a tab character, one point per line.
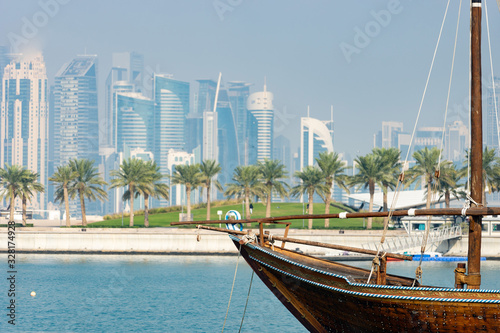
264	180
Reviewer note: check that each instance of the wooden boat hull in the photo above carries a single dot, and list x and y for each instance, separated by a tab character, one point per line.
324	300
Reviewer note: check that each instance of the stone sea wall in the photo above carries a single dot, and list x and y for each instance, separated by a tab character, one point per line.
184	241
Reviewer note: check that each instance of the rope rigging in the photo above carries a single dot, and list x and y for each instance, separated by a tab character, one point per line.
402	175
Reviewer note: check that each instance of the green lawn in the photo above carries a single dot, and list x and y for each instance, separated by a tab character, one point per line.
278	209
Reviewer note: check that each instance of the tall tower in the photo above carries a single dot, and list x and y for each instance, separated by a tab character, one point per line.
316	136
238	95
75	111
135	122
3	59
171	109
24	119
126	75
227	144
260	105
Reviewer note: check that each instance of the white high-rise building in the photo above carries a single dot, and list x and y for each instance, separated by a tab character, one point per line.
316	136
24	119
210	139
260	105
457	141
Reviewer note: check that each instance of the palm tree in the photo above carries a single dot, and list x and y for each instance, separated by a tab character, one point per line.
425	168
333	171
62	178
447	183
87	184
370	173
491	171
209	169
29	186
271	173
11	181
245	184
132	173
191	177
311	181
153	186
390	163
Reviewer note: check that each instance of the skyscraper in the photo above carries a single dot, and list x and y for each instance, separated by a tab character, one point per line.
316	136
227	141
171	109
133	65
428	137
135	121
3	59
260	105
24	119
238	95
210	138
126	75
76	130
457	141
206	95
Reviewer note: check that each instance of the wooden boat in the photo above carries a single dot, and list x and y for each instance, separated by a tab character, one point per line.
327	296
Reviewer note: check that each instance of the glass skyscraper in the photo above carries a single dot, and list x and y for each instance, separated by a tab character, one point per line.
171	109
135	121
24	119
227	141
238	95
126	75
76	131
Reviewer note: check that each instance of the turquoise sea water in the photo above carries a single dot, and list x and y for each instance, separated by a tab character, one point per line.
131	293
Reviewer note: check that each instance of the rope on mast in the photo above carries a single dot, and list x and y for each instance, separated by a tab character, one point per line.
401	177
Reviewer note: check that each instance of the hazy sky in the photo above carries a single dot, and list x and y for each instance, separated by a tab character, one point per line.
369	59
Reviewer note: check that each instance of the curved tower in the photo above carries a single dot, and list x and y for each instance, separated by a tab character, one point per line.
316	136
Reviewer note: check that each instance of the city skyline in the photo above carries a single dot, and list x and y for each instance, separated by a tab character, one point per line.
328	51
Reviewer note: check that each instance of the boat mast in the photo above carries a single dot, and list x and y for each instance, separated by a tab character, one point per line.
476	155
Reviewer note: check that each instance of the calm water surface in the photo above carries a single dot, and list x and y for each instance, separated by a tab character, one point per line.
129	293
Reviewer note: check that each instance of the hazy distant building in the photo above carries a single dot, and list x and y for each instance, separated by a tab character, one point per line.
135	122
227	141
457	141
206	95
126	75
260	105
493	118
3	60
316	136
428	137
404	145
282	151
24	119
76	132
171	109
238	95
194	132
388	136
210	138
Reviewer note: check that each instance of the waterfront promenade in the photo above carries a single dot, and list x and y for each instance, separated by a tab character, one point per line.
184	241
